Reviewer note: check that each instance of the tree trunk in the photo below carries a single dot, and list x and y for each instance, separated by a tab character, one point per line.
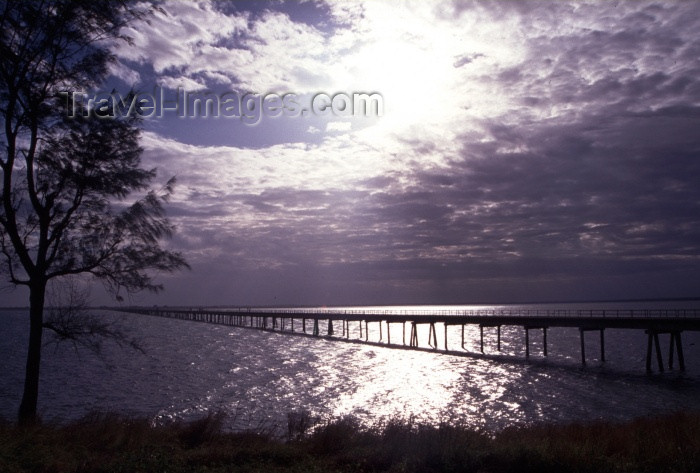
27	408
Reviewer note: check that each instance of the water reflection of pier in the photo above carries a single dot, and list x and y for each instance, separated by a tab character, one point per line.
323	322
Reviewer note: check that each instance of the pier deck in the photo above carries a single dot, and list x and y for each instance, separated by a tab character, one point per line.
654	322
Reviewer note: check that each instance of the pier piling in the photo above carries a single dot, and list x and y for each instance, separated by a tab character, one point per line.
653	337
582	330
679	347
527	343
432	336
544	339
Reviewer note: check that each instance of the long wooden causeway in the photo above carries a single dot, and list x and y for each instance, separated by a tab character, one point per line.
335	323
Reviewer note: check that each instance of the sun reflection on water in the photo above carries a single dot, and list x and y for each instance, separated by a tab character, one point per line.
259	377
402	383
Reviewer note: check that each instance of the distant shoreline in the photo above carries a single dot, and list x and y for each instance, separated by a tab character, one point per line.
264	306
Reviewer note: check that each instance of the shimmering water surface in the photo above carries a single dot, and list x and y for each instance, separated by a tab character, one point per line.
259	377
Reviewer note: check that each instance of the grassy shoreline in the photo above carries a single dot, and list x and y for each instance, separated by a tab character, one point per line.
114	443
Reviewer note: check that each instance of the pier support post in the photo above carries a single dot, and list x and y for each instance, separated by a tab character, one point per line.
679	348
432	336
381	332
653	335
388	332
583	330
303	324
403	332
315	328
544	335
445	336
499	338
366	331
675	342
659	360
330	327
360	328
481	336
527	343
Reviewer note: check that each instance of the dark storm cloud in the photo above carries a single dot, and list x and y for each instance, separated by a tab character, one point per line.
611	195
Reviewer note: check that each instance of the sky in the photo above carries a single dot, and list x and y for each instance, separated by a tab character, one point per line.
525	151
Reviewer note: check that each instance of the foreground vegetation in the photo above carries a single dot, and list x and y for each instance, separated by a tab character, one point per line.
111	443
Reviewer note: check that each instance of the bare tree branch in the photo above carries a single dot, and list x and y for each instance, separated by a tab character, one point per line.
71	320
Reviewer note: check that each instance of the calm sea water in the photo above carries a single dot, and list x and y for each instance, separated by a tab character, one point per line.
258	377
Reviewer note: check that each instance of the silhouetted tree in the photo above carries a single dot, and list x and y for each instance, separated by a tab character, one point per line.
65	179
